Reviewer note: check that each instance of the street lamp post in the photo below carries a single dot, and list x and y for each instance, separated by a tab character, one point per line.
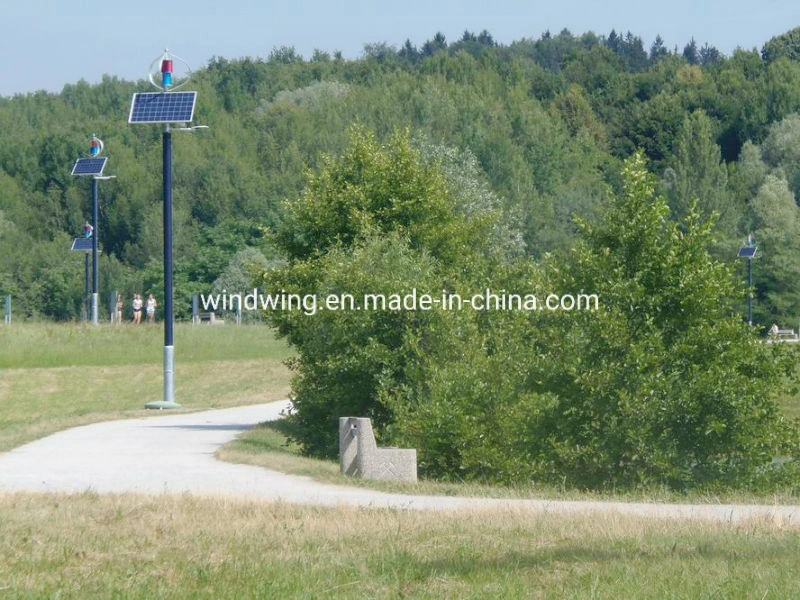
92	166
167	107
748	252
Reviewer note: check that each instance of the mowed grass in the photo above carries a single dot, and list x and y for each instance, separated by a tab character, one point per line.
90	546
55	376
268	446
43	345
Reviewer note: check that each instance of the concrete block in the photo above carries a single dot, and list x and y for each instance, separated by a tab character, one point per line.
359	455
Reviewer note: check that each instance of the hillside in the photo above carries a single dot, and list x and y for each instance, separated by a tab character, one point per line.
548	120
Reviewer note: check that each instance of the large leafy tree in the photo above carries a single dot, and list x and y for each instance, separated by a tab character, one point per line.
776	225
698	176
665	383
376	220
781	149
784	45
662	385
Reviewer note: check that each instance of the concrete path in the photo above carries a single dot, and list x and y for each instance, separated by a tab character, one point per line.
174	453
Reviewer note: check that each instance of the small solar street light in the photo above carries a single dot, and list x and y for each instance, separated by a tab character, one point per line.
748	252
92	167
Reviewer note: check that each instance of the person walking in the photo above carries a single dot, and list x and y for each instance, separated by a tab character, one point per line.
137	309
150	307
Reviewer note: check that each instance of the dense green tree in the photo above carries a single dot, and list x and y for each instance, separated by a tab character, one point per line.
782	88
709	55
690	53
658	49
378	219
697	179
786	45
663	385
781	149
434	45
409	52
775	219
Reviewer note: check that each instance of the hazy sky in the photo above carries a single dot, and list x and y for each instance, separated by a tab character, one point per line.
45	44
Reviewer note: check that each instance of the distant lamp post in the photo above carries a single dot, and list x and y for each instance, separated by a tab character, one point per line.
748	252
92	167
167	107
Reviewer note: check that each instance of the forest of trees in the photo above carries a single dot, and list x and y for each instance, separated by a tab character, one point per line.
548	122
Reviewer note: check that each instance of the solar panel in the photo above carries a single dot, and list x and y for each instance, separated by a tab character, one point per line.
89	166
175	107
747	252
82	245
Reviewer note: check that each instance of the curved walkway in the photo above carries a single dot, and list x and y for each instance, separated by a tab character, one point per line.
174	453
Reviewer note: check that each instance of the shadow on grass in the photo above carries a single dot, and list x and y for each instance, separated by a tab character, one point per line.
278	439
634	550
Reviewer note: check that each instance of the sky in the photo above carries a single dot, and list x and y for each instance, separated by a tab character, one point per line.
45	44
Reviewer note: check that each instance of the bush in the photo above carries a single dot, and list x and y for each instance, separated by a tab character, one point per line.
662	385
378	220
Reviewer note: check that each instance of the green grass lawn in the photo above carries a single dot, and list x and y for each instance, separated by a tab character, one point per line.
92	546
89	546
267	446
44	345
54	376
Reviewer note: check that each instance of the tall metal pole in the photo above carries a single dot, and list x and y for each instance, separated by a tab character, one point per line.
94	249
86	283
750	292
169	347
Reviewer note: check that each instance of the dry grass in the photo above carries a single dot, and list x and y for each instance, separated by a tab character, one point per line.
91	546
118	370
37	402
185	547
267	446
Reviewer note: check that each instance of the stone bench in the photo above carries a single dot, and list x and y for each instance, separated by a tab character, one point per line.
208	317
782	335
360	456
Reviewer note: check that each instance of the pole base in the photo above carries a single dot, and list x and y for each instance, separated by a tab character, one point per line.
161	405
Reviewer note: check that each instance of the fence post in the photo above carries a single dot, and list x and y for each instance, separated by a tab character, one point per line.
112	305
7	309
195	309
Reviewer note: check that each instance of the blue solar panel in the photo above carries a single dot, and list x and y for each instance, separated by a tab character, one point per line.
82	244
89	166
747	252
175	107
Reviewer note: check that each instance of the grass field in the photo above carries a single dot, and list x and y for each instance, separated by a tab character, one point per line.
267	446
91	546
54	376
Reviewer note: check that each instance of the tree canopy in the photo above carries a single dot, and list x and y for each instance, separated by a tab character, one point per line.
547	120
